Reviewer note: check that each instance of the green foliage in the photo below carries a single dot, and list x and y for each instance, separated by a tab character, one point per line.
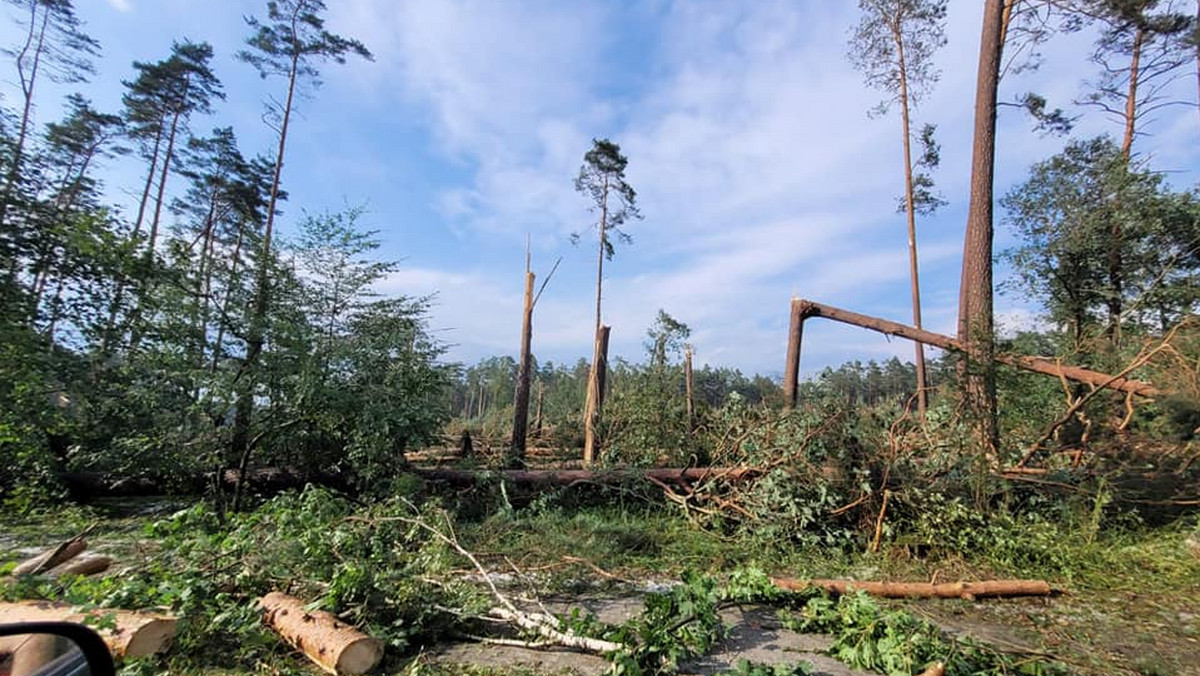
748	668
896	643
363	564
673	626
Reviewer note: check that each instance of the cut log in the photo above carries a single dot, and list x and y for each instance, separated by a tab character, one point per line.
332	644
570	476
924	590
135	634
84	566
61	553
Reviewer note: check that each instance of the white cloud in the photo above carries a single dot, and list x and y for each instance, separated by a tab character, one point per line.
121	5
756	166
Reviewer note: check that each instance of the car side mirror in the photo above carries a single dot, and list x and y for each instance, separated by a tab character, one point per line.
52	649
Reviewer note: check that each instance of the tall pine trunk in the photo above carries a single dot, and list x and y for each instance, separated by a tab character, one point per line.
910	209
975	321
38	44
258	313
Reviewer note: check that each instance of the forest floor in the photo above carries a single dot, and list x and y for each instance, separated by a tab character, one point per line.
1141	616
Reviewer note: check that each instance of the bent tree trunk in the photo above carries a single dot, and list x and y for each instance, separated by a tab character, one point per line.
1036	364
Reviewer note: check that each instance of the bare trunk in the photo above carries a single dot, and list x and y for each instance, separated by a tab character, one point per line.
592	410
975	328
258	313
910	209
689	390
219	340
27	87
150	256
791	371
521	398
1116	273
1135	61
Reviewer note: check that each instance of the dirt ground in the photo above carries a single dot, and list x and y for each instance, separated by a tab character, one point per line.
754	635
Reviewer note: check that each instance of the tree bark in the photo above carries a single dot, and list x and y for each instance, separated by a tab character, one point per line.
27	86
330	643
521	398
258	314
1036	364
595	395
136	634
924	590
975	321
791	371
910	209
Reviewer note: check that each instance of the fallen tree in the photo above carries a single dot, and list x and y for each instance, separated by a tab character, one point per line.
924	590
127	633
59	554
83	566
806	309
675	475
330	643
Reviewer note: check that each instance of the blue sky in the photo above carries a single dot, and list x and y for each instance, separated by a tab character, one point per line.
758	170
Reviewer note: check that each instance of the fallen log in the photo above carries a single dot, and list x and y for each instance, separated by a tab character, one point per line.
1036	364
59	554
83	566
924	590
606	476
333	645
132	634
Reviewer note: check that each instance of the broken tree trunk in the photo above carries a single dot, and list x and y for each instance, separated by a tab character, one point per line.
132	634
791	372
595	395
521	399
1036	364
332	644
689	389
61	553
924	590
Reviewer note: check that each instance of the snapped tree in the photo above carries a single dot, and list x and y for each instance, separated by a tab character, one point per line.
602	180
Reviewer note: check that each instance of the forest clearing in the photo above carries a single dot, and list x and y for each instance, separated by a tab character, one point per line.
236	436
